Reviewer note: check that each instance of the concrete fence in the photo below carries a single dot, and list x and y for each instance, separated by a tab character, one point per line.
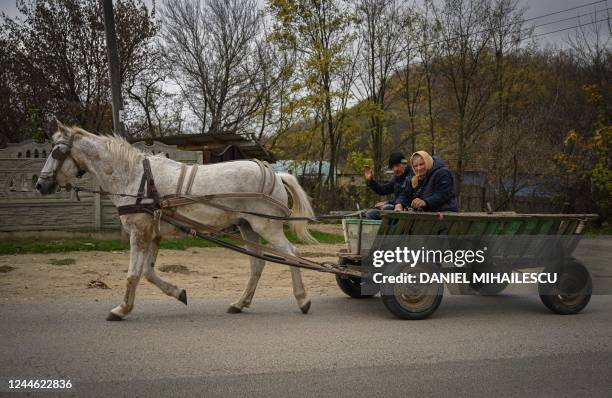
24	211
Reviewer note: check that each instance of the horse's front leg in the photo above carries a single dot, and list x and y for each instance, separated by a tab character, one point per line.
140	247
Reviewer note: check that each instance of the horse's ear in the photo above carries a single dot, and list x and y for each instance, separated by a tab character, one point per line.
61	128
48	134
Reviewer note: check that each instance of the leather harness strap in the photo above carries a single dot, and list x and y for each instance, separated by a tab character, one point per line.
148	181
172	201
193	172
179	184
265	167
273	179
254	249
263	174
151	189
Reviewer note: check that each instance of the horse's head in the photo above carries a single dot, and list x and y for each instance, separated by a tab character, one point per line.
60	167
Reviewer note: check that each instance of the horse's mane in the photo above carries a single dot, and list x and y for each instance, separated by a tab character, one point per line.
121	151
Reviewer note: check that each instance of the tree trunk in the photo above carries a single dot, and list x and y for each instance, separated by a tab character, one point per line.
430	113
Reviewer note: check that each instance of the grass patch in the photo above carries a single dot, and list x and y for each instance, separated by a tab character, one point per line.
316	254
23	246
594	228
60	246
62	261
176	268
5	269
322	237
185	243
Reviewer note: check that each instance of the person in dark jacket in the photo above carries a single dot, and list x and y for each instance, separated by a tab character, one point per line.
431	186
401	179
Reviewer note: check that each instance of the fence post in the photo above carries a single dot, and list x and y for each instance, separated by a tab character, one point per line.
97	204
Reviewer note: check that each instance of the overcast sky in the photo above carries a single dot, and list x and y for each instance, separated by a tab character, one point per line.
535	8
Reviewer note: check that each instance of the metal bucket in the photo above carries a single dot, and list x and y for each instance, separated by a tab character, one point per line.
352	228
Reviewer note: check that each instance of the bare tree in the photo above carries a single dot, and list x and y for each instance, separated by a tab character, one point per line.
591	43
275	87
465	39
380	26
211	50
412	74
429	48
319	32
511	128
55	60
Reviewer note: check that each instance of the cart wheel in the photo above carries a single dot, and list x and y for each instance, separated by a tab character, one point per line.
351	285
572	291
411	300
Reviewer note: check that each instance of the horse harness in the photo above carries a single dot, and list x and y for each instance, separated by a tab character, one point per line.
168	203
164	209
60	154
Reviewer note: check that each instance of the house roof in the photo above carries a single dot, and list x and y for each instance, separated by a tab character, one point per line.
247	145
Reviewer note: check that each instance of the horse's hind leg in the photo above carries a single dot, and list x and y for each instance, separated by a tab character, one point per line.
257	266
151	276
272	231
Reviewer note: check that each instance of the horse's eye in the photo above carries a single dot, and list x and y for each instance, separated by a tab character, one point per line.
58	154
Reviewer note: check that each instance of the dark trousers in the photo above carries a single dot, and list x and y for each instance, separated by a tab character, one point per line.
374	214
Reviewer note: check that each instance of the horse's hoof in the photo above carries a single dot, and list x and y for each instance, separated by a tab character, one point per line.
233	310
183	297
112	317
305	307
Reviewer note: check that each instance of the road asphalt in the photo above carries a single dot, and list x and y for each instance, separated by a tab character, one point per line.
506	345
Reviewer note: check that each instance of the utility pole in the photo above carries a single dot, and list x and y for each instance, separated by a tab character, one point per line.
113	66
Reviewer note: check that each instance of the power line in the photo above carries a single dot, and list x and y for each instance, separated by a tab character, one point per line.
568	18
518	22
562	11
547	33
571	27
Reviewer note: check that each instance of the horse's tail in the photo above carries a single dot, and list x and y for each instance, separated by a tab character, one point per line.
301	207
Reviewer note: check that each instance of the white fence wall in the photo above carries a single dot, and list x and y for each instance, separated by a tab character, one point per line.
24	209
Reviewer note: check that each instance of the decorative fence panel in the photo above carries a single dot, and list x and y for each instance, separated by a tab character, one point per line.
24	209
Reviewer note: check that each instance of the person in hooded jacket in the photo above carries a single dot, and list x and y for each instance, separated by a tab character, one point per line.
431	186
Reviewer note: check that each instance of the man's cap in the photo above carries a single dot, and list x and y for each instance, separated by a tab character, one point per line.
397	158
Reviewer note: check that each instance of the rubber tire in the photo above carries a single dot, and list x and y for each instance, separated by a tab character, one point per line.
395	307
351	286
572	269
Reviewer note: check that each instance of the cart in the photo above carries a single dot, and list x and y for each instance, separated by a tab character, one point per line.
521	240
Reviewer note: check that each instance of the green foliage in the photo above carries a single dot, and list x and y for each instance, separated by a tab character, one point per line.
358	161
321	237
589	156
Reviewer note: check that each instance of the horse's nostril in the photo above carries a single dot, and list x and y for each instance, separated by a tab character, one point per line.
38	186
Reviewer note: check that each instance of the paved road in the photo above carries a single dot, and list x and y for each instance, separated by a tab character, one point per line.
472	346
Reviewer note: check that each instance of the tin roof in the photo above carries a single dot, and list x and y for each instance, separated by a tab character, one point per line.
247	145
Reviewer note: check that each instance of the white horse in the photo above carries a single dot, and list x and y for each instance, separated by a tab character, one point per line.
117	167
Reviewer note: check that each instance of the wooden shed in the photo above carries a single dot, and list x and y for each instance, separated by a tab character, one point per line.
218	147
